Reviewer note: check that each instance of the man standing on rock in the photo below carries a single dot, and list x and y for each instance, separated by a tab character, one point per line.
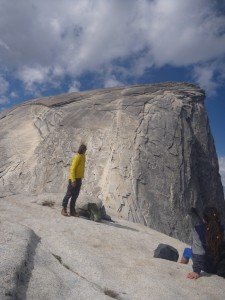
75	180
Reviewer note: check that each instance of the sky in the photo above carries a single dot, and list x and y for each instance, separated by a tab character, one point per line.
49	47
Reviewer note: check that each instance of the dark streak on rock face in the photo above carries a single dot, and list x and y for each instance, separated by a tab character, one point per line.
150	155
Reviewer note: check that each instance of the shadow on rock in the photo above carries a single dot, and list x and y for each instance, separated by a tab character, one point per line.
114	224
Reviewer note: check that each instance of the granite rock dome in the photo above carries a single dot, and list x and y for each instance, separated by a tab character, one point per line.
150	155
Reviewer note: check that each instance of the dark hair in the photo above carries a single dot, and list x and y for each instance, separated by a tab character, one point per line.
214	232
82	149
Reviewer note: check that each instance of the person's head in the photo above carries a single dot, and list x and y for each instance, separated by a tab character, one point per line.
82	149
210	214
214	233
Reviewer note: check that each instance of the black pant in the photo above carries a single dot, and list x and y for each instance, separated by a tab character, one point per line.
73	193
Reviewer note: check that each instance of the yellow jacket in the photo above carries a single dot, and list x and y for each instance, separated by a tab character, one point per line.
77	167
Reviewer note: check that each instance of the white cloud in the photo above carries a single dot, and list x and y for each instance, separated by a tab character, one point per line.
4	85
4	45
4	100
13	95
57	71
112	82
45	42
222	169
31	76
74	87
38	78
185	32
204	75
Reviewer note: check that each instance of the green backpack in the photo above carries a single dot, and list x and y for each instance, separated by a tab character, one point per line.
94	212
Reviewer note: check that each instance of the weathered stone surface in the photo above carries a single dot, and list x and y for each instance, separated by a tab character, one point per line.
150	153
29	271
91	259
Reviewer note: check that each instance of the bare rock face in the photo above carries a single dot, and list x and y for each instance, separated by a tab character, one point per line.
29	271
150	153
47	256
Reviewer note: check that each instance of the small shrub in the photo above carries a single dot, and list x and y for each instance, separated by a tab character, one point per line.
66	266
110	293
59	258
48	203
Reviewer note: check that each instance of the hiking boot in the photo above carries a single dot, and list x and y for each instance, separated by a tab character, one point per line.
74	214
64	212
